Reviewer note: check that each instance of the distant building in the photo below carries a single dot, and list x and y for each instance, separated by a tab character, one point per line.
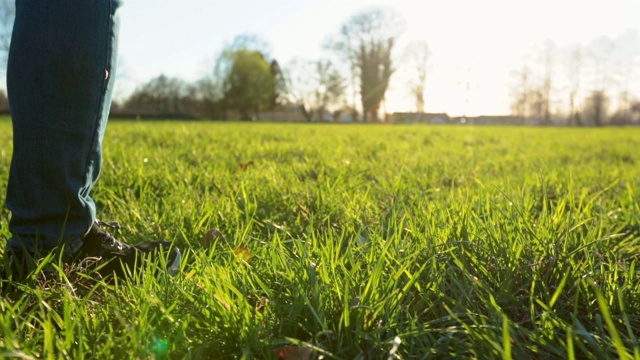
491	120
443	118
421	118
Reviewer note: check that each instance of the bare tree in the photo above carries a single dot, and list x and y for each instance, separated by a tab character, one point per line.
626	61
417	55
300	85
599	54
316	87
593	73
532	92
521	93
596	108
549	49
366	42
574	71
331	87
7	14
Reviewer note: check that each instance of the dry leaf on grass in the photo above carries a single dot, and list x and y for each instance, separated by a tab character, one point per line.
293	353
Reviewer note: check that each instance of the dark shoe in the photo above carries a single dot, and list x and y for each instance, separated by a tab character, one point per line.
123	259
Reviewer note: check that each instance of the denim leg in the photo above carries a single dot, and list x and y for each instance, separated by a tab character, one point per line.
59	80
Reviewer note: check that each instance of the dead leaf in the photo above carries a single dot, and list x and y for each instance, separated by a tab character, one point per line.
293	353
242	254
246	165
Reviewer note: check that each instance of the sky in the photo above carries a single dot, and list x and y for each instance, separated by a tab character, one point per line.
475	45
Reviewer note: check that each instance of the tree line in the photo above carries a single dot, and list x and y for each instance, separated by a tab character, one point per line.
580	85
247	82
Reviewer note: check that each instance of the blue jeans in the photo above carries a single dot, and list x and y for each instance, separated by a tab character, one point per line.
59	79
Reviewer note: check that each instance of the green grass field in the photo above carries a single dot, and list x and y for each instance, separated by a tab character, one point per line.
461	242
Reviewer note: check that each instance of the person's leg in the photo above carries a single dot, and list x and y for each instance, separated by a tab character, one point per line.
59	80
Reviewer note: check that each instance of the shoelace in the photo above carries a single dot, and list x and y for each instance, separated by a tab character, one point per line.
112	224
107	240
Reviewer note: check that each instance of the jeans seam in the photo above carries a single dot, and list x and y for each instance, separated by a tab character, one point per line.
103	90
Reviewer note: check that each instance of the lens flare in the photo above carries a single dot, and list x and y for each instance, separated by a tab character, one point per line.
160	347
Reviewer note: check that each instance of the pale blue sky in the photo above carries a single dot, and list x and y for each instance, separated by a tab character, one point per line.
479	42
